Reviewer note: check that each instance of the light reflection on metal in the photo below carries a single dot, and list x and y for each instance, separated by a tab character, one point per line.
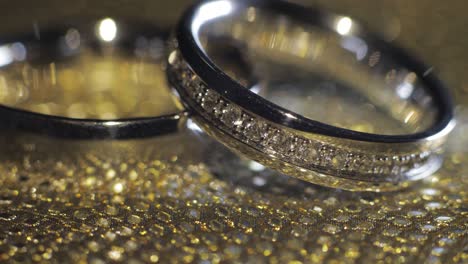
344	25
194	127
112	123
107	29
10	53
210	11
409	116
6	56
355	45
19	51
256	89
406	88
290	116
255	166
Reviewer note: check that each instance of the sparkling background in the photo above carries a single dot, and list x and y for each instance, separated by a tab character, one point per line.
182	198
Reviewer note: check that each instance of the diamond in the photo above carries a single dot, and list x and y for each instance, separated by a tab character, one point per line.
255	130
325	155
218	110
280	142
368	163
383	160
232	116
210	100
196	89
306	151
395	170
340	160
272	137
355	161
186	76
271	141
385	169
287	143
382	165
363	164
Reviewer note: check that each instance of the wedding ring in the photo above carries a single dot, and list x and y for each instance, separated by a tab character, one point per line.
84	79
324	43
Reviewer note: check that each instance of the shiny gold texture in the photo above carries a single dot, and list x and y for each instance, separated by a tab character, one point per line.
184	198
167	200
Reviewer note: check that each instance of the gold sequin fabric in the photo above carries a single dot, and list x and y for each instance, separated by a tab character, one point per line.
168	200
182	198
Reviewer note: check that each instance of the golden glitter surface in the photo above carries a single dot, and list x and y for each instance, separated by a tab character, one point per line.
183	198
169	200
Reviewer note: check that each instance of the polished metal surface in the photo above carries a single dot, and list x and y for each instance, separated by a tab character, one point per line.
165	200
59	80
322	43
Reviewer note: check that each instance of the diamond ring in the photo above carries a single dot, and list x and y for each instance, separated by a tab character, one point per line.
315	41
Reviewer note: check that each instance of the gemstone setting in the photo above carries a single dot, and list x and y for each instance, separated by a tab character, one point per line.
281	143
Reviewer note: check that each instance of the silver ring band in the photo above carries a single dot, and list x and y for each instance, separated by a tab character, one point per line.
25	59
286	141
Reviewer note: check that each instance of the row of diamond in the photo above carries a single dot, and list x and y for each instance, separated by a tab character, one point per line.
278	142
